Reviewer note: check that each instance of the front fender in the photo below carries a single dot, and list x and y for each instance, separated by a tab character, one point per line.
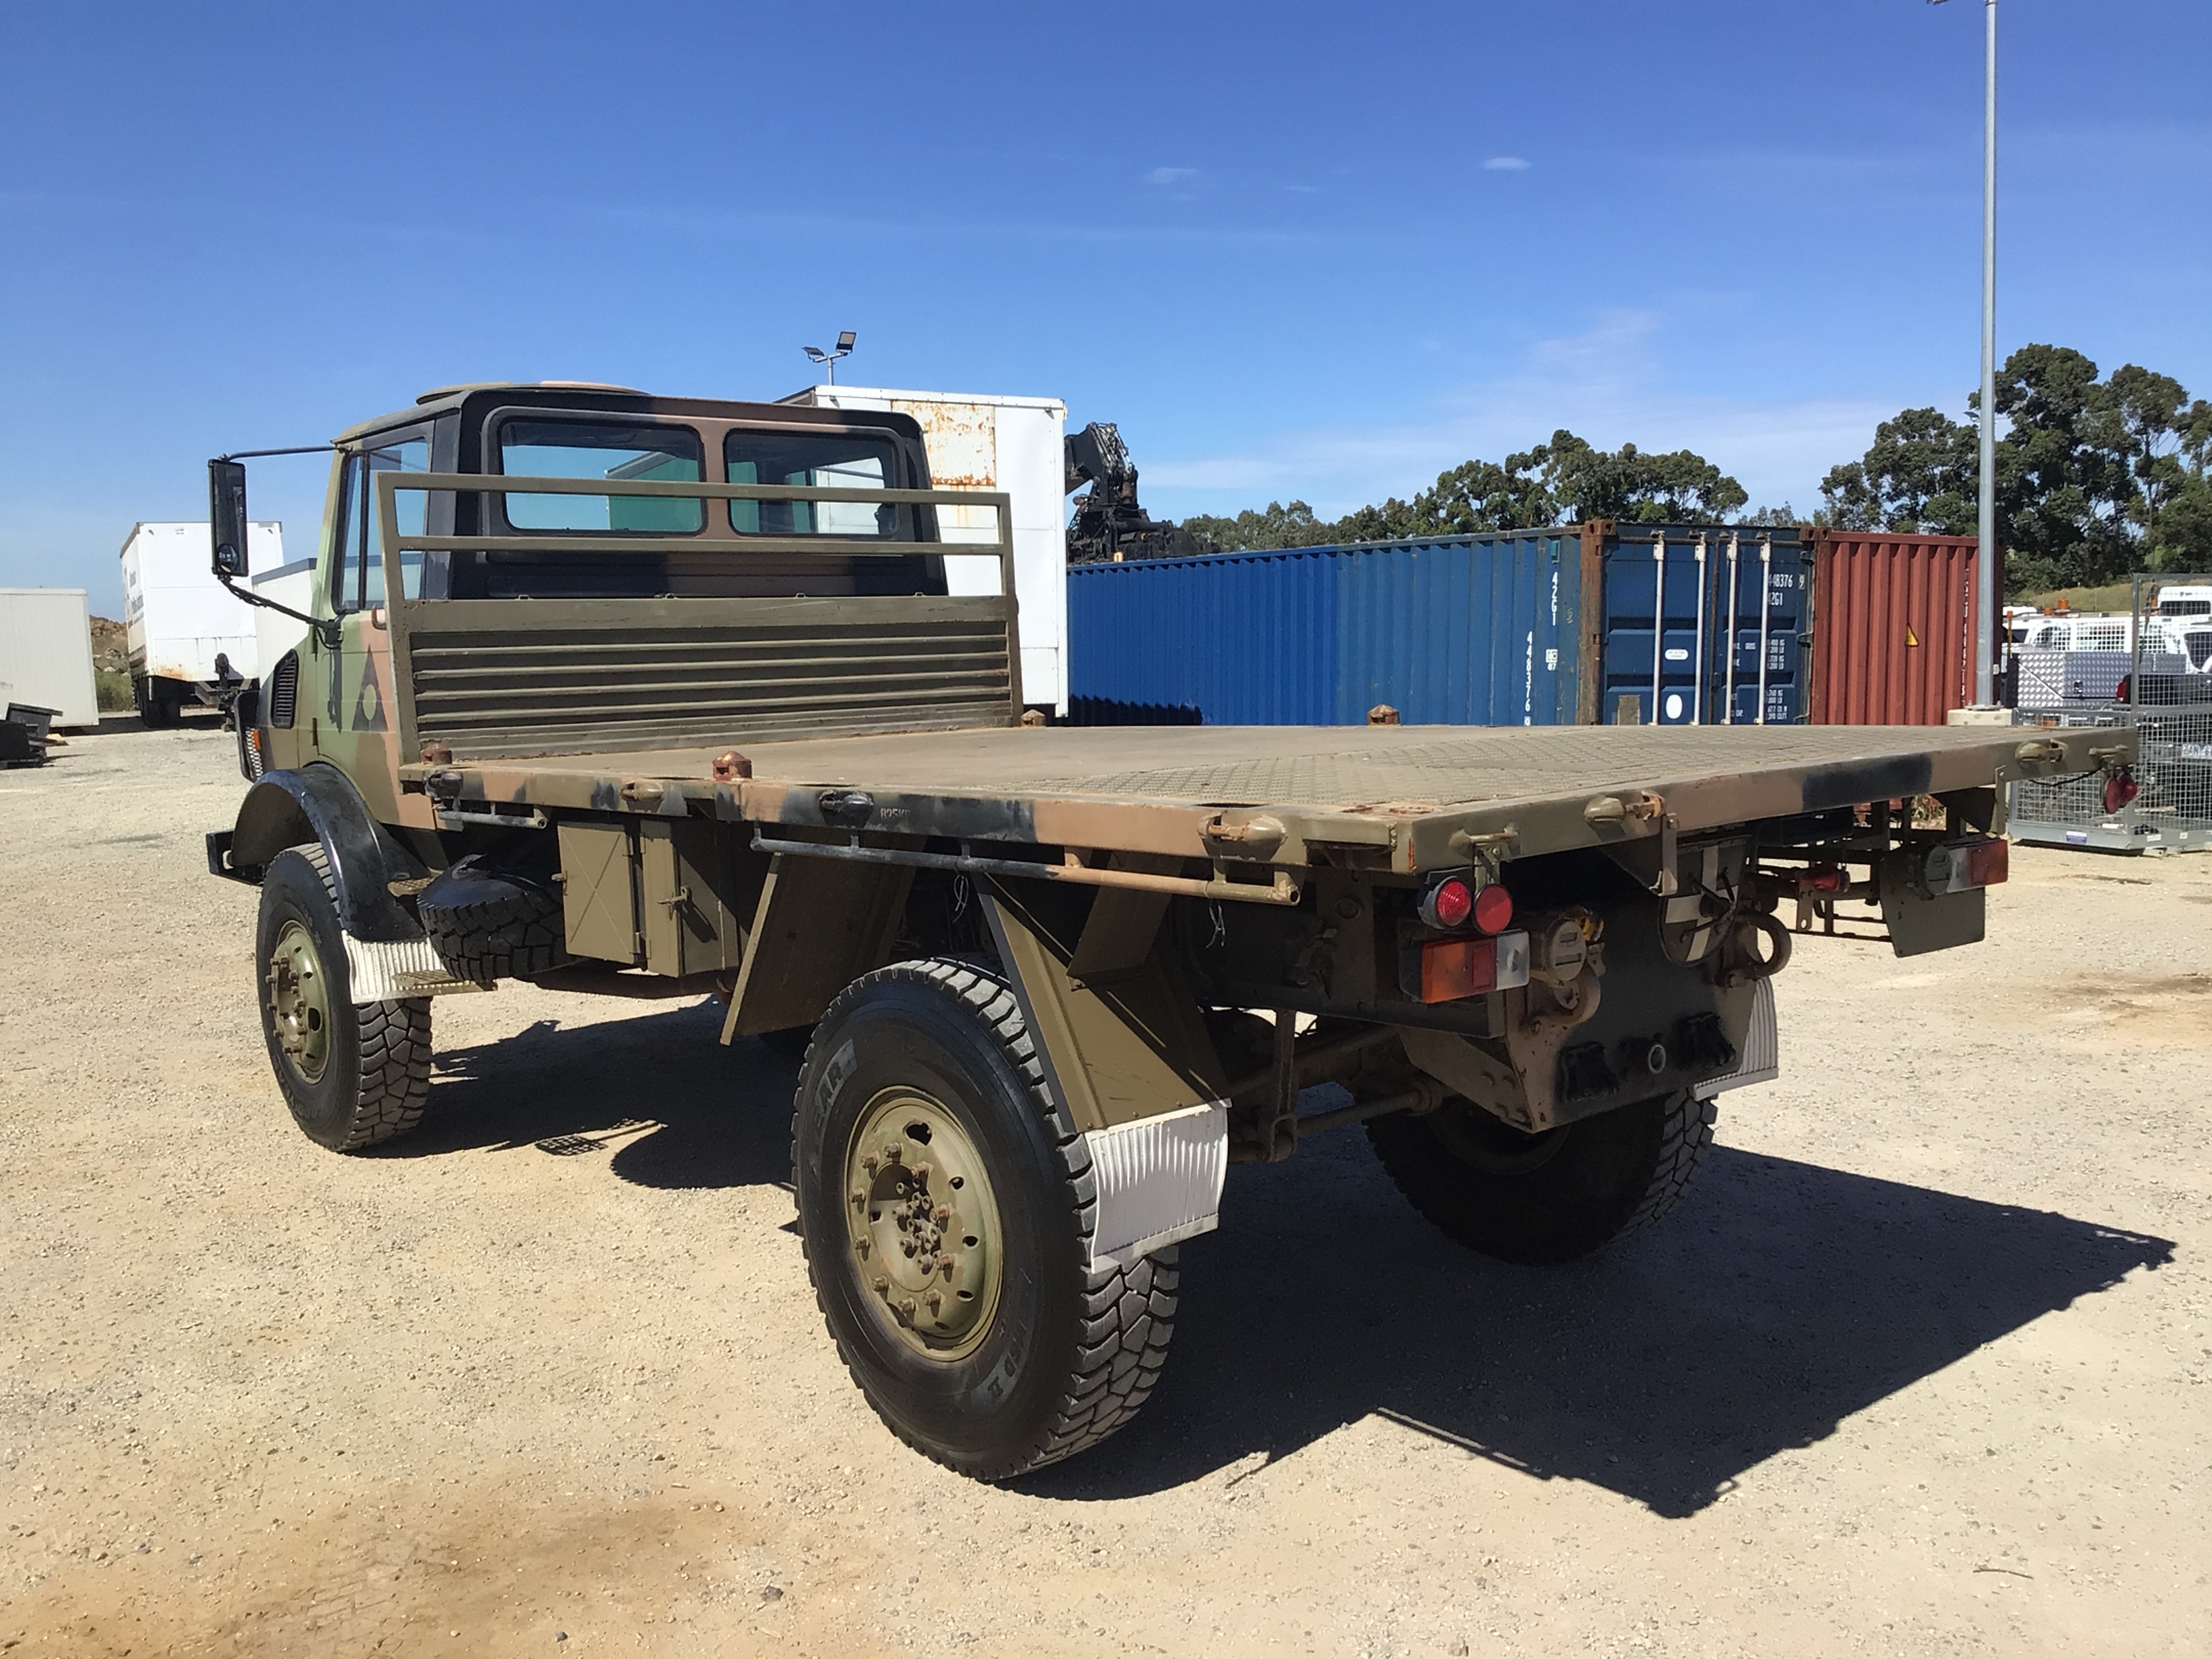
318	803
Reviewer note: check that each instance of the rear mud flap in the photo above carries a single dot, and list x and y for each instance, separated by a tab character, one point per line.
1159	1181
1760	1061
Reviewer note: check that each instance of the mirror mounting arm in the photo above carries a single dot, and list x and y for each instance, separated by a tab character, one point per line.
330	630
227	534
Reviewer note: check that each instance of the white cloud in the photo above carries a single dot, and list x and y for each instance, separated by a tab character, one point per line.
1172	175
1602	384
1505	164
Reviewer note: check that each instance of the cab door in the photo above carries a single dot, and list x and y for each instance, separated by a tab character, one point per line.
359	712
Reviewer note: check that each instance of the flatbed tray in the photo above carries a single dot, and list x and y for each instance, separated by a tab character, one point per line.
1411	789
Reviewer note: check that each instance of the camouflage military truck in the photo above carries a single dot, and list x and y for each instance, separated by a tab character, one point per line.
614	693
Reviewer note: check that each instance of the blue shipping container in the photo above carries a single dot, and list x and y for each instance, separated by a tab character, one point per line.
1464	631
1750	585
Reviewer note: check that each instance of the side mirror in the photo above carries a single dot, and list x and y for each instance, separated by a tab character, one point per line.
227	517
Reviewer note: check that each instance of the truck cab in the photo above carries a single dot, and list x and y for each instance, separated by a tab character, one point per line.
335	696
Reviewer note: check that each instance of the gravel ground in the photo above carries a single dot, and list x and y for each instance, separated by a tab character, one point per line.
1921	1368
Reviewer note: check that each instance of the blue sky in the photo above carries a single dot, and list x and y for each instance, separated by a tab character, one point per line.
1294	251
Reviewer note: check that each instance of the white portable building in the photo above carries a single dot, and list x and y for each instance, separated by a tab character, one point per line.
45	653
178	617
986	441
292	586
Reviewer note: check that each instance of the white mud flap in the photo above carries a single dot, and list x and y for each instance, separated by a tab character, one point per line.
1159	1181
387	971
1761	1060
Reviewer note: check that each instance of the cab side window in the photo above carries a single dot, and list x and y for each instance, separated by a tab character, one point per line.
357	563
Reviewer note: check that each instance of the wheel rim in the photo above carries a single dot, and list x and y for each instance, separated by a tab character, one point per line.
922	1225
299	1001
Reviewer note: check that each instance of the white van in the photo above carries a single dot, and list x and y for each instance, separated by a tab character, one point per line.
2183	635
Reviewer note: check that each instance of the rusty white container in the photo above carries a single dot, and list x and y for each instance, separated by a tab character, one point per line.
982	441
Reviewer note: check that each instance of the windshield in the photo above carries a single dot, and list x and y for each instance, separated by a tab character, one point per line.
601	449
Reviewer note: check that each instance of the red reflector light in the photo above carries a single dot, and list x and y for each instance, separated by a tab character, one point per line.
1456	968
2120	789
1448	905
1493	909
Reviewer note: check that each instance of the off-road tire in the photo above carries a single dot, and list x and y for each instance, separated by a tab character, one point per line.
1070	1354
1544	1199
506	925
376	1080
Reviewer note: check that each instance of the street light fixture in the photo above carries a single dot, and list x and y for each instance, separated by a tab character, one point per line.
828	359
1990	576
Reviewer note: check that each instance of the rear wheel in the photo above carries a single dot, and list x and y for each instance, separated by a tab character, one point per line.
352	1074
1549	1197
946	1208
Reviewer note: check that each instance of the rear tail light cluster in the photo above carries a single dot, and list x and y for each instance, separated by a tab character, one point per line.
1485	958
1959	866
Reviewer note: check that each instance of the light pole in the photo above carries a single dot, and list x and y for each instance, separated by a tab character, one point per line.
1990	576
828	359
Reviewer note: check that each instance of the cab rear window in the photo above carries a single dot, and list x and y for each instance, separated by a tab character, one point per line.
601	449
840	460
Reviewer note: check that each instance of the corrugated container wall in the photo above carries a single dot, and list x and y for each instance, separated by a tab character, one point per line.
1621	624
1893	628
45	653
1465	630
1704	625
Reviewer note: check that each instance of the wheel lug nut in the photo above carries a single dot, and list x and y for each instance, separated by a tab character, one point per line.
891	1153
936	1300
921	1172
882	1286
868	1163
940	1215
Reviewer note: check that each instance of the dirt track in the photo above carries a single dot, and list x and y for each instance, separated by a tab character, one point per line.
1924	1366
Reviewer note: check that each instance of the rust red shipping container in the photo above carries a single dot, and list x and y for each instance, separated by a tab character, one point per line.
1892	633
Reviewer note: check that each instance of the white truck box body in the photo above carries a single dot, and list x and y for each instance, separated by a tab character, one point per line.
45	651
178	616
274	633
984	441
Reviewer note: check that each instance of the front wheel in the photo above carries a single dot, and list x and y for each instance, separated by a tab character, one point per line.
352	1074
1552	1196
945	1208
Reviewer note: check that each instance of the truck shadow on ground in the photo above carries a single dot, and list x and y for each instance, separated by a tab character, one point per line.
1779	1300
655	1093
